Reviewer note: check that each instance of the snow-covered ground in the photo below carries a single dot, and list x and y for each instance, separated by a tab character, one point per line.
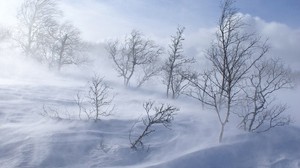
31	140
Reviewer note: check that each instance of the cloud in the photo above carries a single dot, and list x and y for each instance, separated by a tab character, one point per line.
283	40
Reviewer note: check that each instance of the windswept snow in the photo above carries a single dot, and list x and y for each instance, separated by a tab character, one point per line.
31	140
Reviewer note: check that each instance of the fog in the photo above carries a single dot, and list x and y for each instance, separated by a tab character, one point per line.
45	87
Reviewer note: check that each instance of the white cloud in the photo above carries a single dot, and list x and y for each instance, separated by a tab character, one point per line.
283	40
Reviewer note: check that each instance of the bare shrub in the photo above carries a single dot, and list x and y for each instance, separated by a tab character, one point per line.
93	105
155	115
56	113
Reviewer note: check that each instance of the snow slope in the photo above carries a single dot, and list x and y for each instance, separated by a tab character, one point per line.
276	149
30	140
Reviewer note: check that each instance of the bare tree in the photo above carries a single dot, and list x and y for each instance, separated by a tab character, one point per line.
99	100
65	46
232	56
260	111
163	115
99	97
176	65
35	17
135	54
42	37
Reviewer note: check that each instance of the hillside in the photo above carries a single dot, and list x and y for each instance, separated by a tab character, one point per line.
29	139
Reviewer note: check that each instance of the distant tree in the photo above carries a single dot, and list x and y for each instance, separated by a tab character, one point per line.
163	115
65	46
4	33
35	18
42	36
136	56
176	65
260	111
232	56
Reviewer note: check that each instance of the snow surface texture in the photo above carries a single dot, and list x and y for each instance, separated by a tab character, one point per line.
30	140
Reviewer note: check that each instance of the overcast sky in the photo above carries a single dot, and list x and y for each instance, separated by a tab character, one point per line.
100	20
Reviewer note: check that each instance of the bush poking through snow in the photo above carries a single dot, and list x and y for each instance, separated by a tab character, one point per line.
96	103
56	113
163	115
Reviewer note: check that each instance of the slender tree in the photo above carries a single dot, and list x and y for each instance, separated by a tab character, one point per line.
232	56
98	100
176	65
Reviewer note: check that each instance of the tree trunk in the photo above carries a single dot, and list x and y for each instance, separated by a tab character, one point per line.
221	132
